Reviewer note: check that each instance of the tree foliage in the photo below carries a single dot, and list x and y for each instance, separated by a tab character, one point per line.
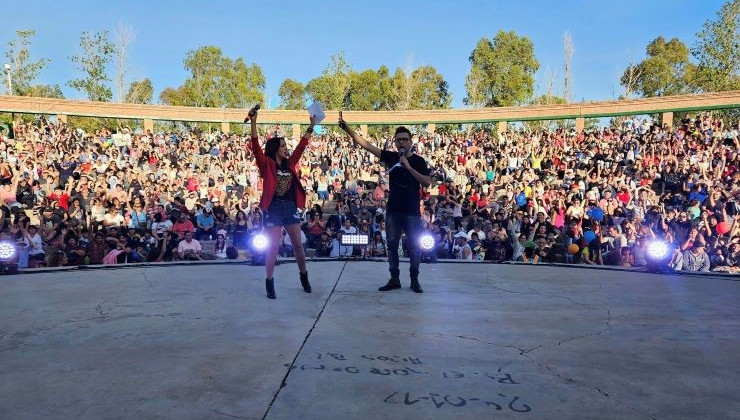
46	91
332	86
430	89
421	88
292	94
501	71
140	92
172	96
665	71
217	81
341	87
717	51
23	71
97	50
368	90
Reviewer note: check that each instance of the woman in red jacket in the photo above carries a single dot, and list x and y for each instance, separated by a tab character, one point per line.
282	196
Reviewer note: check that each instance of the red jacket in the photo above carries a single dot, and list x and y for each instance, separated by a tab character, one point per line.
268	171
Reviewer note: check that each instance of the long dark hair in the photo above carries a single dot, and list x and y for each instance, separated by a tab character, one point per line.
272	146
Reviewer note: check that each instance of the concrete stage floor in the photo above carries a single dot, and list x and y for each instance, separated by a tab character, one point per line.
482	342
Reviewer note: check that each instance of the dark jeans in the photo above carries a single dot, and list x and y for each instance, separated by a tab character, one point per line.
410	224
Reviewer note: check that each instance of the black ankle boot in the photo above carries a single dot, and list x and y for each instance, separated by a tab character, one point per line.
304	282
393	283
415	286
270	286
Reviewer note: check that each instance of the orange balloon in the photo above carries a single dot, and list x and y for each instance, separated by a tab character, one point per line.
574	249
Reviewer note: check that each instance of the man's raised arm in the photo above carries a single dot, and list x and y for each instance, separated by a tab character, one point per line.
358	138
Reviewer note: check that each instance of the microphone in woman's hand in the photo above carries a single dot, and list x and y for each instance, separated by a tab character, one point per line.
252	112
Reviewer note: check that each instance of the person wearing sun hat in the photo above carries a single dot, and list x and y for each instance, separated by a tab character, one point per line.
465	252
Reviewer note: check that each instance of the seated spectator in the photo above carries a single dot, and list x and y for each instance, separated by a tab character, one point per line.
159	227
113	218
97	249
189	248
205	224
542	252
316	228
182	225
241	229
378	246
75	253
464	252
694	259
33	240
325	246
220	248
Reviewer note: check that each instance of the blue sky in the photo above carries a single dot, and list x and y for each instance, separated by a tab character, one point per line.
295	39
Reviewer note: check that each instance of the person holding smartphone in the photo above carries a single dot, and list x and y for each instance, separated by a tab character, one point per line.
408	173
282	196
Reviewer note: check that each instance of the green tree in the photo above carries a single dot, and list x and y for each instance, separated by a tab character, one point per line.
292	94
402	90
501	71
665	71
421	88
430	90
97	50
717	50
46	91
173	96
366	90
332	86
140	92
217	81
23	70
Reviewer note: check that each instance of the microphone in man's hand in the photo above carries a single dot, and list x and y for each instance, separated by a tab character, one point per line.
252	113
401	151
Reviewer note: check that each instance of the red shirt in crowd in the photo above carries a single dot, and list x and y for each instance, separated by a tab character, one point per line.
443	189
62	199
623	196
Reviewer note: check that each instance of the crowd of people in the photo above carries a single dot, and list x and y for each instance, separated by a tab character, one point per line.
599	196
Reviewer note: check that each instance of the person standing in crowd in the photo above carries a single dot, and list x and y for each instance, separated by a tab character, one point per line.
282	196
408	173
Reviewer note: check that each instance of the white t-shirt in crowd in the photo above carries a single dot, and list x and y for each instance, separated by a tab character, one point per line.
161	227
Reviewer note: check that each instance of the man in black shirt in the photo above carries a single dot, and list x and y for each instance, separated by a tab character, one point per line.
407	172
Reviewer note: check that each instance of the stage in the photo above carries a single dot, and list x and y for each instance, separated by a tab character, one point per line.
201	341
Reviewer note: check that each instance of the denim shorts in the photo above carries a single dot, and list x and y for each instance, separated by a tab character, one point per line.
282	213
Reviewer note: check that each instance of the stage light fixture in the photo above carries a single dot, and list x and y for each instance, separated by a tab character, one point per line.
8	258
354	239
427	249
426	242
658	255
657	250
258	250
7	251
260	242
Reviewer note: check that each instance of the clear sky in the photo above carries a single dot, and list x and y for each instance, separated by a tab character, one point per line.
295	39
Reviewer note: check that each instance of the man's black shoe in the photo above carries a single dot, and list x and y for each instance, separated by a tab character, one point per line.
392	284
416	287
